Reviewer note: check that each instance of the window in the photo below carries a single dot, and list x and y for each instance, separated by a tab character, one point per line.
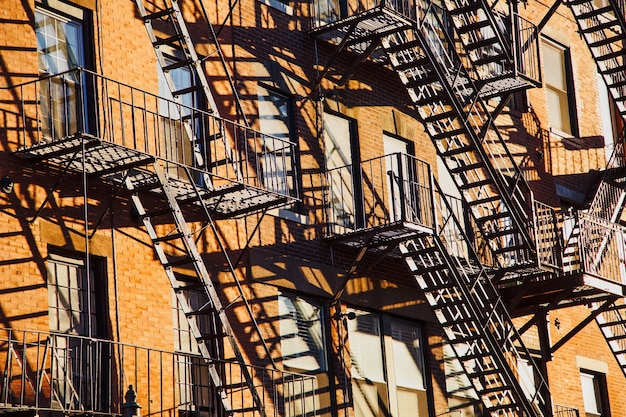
595	395
401	185
341	154
279	164
387	359
77	306
301	333
559	87
177	136
194	394
60	47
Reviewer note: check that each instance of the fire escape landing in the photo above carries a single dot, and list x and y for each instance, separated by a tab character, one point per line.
459	75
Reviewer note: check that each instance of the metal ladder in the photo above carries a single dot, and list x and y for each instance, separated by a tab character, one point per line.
169	20
465	136
604	30
186	254
475	320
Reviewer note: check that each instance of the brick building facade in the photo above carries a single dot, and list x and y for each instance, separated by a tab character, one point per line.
320	208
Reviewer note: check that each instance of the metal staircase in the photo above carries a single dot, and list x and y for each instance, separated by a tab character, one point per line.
442	261
463	131
603	28
495	43
134	146
174	48
186	254
474	318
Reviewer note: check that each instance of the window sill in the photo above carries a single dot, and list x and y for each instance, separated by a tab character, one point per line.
287	214
276	4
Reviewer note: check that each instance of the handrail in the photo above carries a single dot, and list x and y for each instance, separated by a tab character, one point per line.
79	102
60	372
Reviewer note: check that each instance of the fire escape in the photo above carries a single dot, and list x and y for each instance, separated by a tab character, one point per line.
180	167
602	232
460	62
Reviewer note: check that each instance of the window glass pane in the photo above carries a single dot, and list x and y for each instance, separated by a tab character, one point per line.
365	346
407	355
557	89
408	403
337	141
301	334
71	297
59	43
275	119
589	393
366	399
554	62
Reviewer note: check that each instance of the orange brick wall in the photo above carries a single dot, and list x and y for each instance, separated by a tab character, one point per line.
273	48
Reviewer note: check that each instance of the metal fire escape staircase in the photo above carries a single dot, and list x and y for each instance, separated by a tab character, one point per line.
463	130
474	317
168	20
184	253
174	48
603	28
458	288
598	231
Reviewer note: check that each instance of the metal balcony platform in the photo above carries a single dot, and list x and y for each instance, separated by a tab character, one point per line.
359	32
381	237
109	161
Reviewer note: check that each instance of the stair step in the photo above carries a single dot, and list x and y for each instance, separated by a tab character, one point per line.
167	41
482	43
617	84
606	41
473	26
490	59
595	12
422	251
457	151
168	238
157	213
612	55
450	133
470	7
513	248
600	26
431	269
465	168
613	70
177	64
160	14
476	184
420	82
577	2
210	337
450	114
191	89
178	262
244	410
500	233
485	200
437	98
496	216
394	49
420	62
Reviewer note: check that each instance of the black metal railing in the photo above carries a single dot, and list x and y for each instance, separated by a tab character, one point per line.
326	12
564	411
378	192
81	102
68	373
